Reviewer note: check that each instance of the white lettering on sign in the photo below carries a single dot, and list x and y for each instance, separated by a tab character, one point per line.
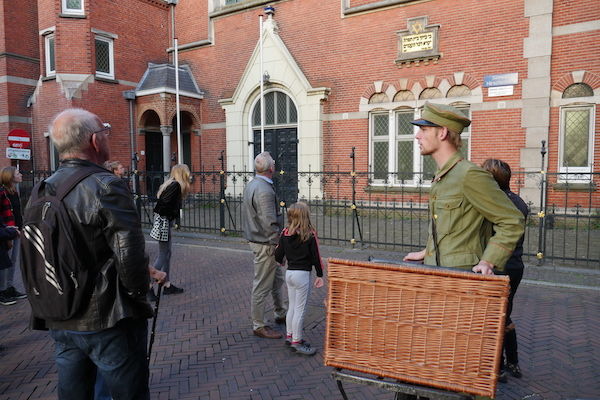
19	139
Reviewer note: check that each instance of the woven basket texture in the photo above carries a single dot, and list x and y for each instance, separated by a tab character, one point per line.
428	326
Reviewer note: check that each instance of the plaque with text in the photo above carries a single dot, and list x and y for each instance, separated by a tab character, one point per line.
418	43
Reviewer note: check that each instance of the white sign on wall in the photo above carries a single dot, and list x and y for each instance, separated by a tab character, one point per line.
18	154
496	91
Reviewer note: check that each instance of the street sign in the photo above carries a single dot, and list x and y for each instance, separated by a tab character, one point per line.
501	79
19	139
18	154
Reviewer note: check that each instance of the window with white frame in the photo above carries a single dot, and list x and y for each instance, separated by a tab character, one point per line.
576	142
576	152
395	156
105	67
49	55
73	7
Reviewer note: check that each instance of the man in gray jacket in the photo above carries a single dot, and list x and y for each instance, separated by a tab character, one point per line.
262	224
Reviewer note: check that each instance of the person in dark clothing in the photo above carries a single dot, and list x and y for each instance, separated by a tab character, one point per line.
7	234
109	335
170	197
12	216
514	269
298	244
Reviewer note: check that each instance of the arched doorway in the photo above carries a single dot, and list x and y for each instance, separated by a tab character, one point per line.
281	140
186	137
153	151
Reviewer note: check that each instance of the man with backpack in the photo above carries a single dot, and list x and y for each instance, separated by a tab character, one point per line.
85	268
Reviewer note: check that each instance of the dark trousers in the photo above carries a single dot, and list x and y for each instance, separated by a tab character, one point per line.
117	353
510	336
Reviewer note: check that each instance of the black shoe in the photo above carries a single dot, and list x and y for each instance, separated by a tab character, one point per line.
280	320
12	292
503	377
151	296
172	290
514	370
6	300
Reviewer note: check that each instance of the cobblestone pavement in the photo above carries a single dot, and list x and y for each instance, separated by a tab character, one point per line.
205	349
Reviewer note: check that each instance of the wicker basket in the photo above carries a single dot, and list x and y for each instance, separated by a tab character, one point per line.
428	326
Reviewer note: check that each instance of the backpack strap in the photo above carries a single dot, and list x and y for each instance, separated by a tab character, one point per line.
65	188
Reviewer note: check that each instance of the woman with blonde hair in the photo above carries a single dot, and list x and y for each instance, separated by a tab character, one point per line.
170	198
10	205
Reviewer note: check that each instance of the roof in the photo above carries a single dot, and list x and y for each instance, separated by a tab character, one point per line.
160	78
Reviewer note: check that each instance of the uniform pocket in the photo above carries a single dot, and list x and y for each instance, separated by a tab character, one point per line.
447	215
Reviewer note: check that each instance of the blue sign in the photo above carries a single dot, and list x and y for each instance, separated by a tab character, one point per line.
501	79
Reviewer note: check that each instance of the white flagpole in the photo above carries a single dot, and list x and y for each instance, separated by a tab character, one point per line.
262	91
179	142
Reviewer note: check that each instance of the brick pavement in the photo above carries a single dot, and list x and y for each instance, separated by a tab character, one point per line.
205	349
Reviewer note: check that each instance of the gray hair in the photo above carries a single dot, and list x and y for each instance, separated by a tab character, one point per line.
72	129
263	162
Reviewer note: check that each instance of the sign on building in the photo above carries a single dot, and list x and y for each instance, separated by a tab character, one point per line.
18	154
418	42
19	139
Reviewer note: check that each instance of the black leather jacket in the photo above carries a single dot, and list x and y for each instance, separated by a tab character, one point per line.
110	234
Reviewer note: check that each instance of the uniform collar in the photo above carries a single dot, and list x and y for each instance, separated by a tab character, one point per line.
454	159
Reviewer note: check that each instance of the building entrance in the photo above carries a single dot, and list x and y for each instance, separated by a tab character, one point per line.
282	143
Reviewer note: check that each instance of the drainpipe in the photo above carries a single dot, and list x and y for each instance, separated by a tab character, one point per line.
129	95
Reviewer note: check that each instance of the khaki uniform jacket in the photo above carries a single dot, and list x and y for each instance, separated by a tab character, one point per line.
466	203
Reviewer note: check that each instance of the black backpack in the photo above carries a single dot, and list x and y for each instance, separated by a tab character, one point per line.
54	269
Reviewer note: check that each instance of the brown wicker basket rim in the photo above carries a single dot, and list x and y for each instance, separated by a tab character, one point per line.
424	269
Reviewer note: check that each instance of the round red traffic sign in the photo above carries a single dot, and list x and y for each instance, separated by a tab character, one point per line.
19	139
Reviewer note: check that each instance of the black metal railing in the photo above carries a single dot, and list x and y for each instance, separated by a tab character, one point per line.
351	208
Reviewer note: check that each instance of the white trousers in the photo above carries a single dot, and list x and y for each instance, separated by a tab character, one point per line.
298	283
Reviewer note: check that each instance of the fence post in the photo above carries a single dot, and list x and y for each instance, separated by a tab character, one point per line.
222	193
355	220
542	213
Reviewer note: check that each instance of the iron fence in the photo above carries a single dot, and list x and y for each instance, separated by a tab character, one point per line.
354	209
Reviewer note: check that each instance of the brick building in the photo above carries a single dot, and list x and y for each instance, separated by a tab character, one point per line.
336	75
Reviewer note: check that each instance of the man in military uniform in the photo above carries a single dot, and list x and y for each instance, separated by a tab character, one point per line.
466	205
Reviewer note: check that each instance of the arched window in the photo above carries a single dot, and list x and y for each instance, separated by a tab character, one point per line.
279	110
404	95
577	90
576	134
459	91
379	98
430	93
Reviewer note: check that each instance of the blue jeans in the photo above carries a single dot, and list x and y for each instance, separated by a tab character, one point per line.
117	353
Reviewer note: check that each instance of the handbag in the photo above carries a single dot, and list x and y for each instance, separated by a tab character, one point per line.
160	228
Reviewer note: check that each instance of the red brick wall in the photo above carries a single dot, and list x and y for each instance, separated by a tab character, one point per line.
573	12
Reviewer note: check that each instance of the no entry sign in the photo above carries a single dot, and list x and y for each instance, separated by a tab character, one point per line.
19	139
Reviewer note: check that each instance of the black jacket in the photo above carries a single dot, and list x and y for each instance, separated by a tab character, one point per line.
6	234
169	202
109	232
301	256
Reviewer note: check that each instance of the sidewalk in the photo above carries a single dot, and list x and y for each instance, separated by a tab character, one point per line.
204	347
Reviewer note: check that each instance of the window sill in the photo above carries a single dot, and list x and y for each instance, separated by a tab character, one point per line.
48	78
575	186
76	16
107	80
397	189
